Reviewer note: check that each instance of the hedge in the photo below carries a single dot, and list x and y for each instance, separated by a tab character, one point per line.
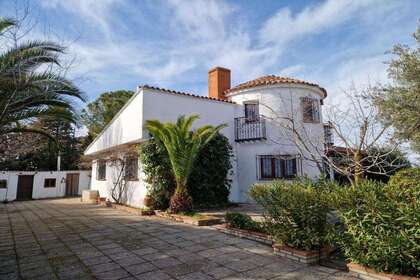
407	178
209	183
243	221
295	213
382	225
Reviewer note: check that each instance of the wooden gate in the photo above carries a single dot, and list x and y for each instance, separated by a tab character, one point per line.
72	184
25	187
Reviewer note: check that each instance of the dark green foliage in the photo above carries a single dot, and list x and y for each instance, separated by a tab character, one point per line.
32	85
157	168
208	184
100	112
242	221
382	225
28	152
295	213
407	178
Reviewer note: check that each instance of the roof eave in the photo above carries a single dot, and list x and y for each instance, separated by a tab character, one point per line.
234	91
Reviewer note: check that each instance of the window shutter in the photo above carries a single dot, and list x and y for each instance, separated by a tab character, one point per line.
315	110
306	106
294	166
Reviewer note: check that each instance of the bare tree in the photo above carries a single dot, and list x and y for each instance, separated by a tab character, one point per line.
365	142
121	170
118	190
290	130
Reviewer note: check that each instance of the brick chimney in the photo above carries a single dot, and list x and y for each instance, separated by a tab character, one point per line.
219	81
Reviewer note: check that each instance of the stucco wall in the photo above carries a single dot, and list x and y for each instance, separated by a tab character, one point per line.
38	190
277	103
167	107
136	190
125	127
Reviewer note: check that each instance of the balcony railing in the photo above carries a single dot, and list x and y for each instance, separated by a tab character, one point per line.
250	129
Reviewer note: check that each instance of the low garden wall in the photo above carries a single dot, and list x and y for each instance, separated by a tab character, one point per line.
197	220
247	234
9	181
303	256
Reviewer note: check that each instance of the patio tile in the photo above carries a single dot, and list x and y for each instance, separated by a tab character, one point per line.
158	275
196	276
104	267
112	275
140	268
64	239
219	272
182	269
165	262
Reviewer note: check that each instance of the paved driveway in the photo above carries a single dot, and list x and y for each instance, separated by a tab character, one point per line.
64	239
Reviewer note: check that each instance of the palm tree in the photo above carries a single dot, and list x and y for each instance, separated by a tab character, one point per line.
183	146
30	88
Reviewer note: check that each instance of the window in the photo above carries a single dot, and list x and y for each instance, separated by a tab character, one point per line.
310	109
328	135
251	111
49	183
101	171
290	168
3	184
277	167
131	169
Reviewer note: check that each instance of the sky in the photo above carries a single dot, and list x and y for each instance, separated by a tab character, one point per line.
120	44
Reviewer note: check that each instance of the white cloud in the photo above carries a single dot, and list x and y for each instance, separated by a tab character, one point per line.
202	34
284	27
93	11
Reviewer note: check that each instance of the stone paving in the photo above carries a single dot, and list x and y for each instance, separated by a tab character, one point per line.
64	239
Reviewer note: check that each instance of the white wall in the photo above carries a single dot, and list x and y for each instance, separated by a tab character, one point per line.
136	190
276	103
38	185
164	106
167	107
125	127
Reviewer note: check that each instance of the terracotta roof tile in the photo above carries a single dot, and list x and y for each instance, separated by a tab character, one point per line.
272	80
186	94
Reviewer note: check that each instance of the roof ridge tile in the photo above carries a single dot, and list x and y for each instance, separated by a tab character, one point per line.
272	80
185	93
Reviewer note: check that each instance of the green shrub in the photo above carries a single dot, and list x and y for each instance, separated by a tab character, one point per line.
382	225
242	221
159	176
209	183
406	178
295	213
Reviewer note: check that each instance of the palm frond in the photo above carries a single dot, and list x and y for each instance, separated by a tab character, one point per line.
29	56
25	129
182	143
6	23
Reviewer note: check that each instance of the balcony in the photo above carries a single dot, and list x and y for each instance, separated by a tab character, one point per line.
250	129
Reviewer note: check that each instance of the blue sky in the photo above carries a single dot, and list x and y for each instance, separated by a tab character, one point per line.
121	44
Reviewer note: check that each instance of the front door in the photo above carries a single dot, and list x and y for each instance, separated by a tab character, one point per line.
72	184
25	187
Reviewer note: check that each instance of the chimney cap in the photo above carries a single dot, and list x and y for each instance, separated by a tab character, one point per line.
219	68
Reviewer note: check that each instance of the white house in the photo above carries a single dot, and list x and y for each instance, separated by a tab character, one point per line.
274	126
24	185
